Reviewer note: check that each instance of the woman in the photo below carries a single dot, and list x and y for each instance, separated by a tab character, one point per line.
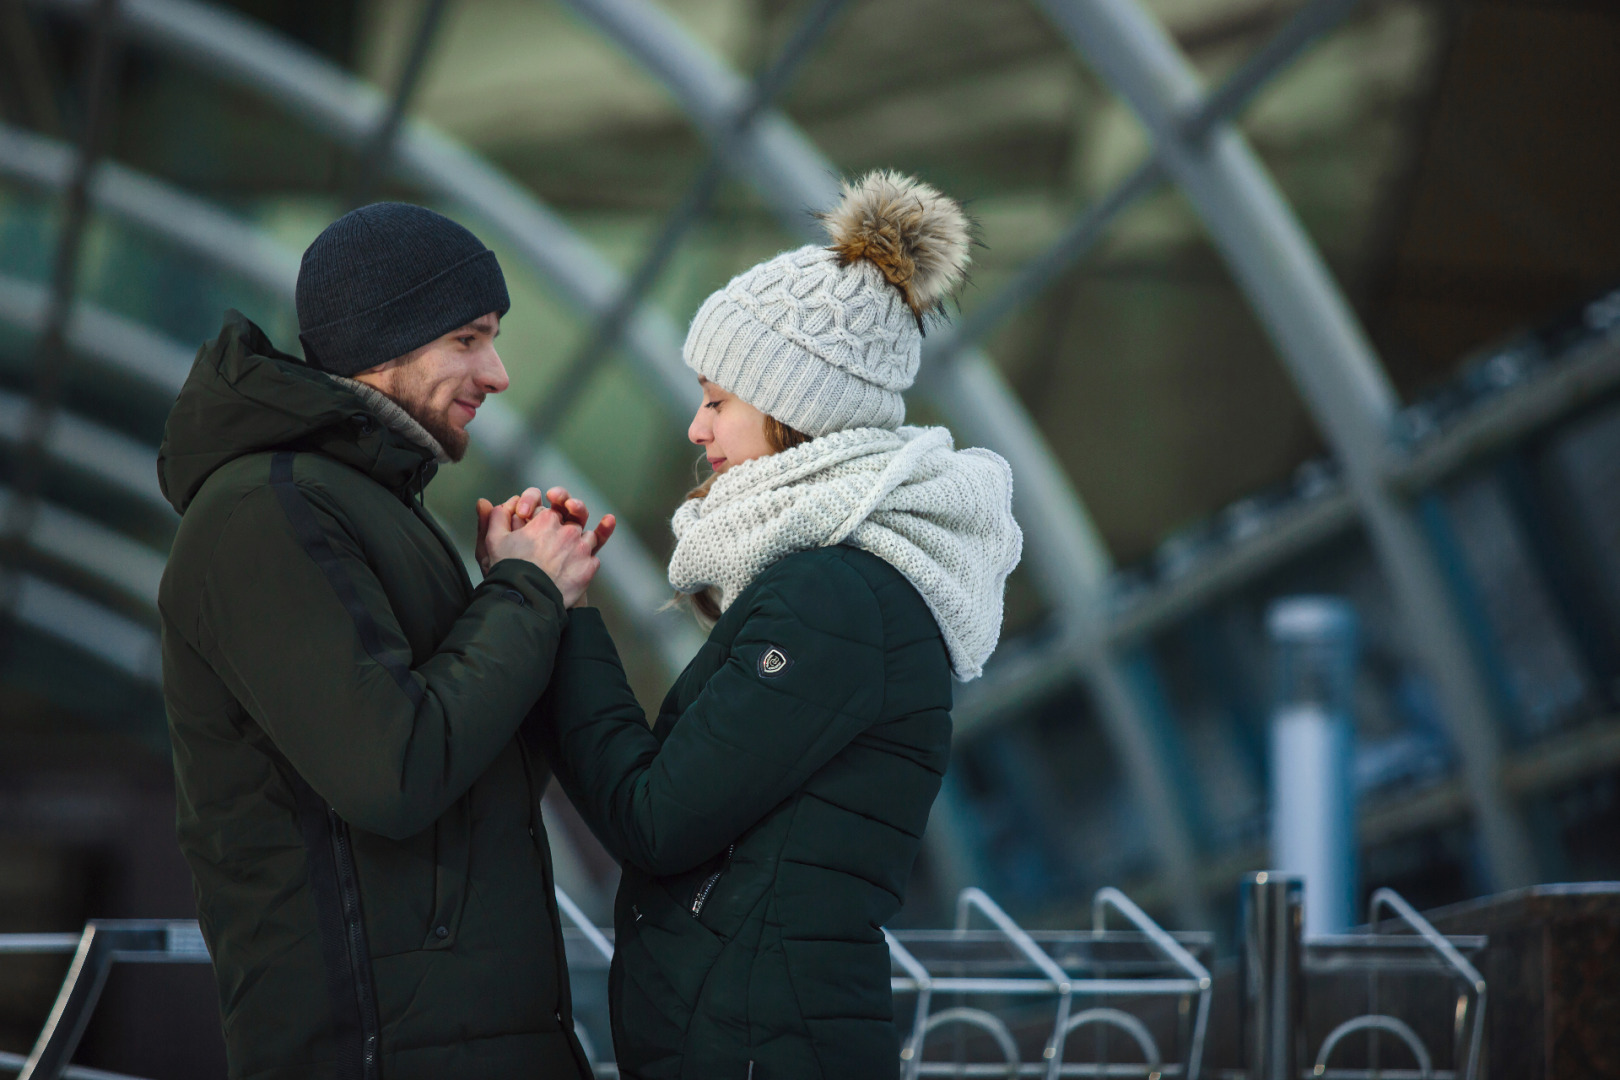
768	821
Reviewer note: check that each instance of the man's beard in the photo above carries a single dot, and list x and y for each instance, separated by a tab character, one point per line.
415	398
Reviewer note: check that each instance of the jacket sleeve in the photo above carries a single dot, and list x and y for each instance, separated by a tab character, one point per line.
747	742
298	627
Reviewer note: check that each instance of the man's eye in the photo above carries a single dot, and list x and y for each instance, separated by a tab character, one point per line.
467	341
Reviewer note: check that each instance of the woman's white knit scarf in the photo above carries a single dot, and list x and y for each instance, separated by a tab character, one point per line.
940	516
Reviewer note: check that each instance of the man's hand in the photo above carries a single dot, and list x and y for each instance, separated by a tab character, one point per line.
562	549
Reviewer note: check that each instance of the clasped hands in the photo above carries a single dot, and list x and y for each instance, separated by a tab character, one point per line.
553	537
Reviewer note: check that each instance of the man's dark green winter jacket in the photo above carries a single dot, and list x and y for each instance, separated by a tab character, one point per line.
767	823
361	819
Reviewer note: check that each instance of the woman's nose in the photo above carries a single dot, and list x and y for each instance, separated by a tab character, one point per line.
698	430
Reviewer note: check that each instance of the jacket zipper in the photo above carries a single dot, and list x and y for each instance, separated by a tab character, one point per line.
354	931
702	895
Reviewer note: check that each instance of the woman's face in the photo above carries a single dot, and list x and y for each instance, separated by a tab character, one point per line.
730	430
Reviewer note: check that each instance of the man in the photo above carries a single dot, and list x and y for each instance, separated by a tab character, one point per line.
360	814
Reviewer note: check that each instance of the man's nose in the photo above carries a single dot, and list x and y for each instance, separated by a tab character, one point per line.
493	378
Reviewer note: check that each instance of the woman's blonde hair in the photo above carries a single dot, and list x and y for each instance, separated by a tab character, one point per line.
706	604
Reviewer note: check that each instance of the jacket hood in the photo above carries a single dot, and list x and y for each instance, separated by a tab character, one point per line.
245	396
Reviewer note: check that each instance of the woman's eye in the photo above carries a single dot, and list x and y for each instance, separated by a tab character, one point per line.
712	405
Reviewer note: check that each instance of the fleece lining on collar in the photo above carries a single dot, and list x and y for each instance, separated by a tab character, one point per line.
393	414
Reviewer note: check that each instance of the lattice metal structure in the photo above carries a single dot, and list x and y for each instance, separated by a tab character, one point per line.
1195	145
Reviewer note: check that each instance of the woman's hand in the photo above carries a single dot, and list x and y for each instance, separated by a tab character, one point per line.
519	510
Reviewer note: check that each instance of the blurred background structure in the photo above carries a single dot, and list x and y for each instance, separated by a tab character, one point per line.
1274	298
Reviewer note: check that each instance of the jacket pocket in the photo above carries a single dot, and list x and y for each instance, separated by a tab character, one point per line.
662	961
705	886
452	854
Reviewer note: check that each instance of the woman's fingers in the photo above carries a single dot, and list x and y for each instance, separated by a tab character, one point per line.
604	530
528	503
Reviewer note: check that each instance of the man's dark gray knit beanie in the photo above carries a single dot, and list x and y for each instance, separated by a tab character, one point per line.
388	278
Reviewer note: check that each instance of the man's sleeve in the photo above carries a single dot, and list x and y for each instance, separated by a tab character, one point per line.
756	733
297	625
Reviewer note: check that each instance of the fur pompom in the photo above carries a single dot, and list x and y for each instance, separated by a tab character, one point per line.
916	236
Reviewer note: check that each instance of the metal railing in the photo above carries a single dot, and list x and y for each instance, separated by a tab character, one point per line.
1036	976
1280	966
1012	991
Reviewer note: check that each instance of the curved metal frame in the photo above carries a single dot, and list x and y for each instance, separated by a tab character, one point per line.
1376	1022
233	245
1329	358
1265	247
1065	550
1127	1023
985	1021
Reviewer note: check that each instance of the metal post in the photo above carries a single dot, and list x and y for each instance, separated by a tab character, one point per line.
52	355
1331	362
1273	919
1313	810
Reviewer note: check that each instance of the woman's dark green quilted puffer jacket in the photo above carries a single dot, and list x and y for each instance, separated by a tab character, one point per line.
767	823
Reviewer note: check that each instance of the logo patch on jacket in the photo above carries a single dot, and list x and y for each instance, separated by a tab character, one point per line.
773	662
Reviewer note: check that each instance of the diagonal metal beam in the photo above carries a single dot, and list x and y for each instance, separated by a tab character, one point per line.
1041	272
111	458
240	52
246	54
1332	363
204	231
691	209
378	153
69	617
127	566
1308	25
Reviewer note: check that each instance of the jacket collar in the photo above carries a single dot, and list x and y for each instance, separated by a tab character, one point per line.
245	396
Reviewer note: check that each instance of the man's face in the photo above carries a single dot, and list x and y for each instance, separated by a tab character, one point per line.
442	383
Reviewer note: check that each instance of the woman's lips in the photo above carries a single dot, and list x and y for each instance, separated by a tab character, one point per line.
716	462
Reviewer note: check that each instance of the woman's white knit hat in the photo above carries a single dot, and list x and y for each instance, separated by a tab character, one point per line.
827	338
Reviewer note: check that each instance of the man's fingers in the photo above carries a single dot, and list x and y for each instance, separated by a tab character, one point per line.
500	524
481	546
604	530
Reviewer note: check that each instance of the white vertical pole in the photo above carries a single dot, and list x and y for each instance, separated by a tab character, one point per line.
1313	813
